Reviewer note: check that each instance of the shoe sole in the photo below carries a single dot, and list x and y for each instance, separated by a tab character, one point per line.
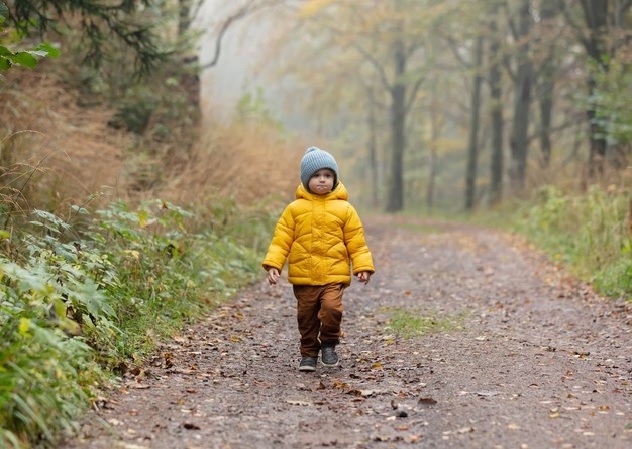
307	368
329	365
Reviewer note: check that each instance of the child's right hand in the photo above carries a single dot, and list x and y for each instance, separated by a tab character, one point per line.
273	275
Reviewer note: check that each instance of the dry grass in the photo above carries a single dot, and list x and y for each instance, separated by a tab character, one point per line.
243	162
571	176
43	127
55	152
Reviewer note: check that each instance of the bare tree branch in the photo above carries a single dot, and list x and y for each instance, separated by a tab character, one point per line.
564	8
453	45
413	93
249	8
375	63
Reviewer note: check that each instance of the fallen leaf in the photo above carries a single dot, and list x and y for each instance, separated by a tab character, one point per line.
168	356
426	401
363	393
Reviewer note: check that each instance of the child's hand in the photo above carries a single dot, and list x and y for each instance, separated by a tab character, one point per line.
273	275
364	277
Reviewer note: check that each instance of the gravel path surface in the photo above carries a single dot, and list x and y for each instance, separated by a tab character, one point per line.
518	356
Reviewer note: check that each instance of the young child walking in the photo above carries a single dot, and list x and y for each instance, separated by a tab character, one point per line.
321	236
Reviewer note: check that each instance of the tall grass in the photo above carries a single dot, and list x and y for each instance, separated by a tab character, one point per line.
589	233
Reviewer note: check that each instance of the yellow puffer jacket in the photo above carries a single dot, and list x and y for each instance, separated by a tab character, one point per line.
323	236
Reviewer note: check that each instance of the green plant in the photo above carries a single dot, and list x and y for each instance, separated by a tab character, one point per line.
589	233
74	301
42	379
413	323
45	364
166	274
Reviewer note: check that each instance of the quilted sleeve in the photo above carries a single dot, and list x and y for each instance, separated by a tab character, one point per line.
361	258
284	234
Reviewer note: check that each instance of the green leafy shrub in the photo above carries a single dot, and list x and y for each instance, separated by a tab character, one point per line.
76	300
45	364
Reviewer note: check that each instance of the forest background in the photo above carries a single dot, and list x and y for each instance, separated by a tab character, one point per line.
135	194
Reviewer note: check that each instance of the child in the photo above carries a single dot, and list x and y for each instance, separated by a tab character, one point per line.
322	235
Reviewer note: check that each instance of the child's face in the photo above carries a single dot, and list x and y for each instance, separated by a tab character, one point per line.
321	182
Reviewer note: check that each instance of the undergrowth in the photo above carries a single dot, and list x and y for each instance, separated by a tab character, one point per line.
588	233
79	301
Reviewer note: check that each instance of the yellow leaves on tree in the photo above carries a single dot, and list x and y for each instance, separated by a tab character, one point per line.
313	7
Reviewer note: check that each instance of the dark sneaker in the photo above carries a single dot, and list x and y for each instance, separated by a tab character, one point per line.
307	364
328	356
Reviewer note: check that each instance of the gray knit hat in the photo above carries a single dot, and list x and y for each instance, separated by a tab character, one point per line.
314	160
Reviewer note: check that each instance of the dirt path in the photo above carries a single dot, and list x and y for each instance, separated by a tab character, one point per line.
524	359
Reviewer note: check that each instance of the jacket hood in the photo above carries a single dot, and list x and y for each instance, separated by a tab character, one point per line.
338	193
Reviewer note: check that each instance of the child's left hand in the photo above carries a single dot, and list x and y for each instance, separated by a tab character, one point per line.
364	277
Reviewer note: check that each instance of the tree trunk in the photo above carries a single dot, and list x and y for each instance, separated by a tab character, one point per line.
372	146
395	200
435	131
495	87
432	176
475	116
546	113
522	100
548	12
596	14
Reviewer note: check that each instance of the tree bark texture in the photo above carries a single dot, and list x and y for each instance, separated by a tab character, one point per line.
475	118
546	78
519	140
596	16
395	200
372	146
496	110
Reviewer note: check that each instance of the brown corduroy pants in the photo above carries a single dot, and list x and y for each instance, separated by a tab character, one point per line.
319	315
